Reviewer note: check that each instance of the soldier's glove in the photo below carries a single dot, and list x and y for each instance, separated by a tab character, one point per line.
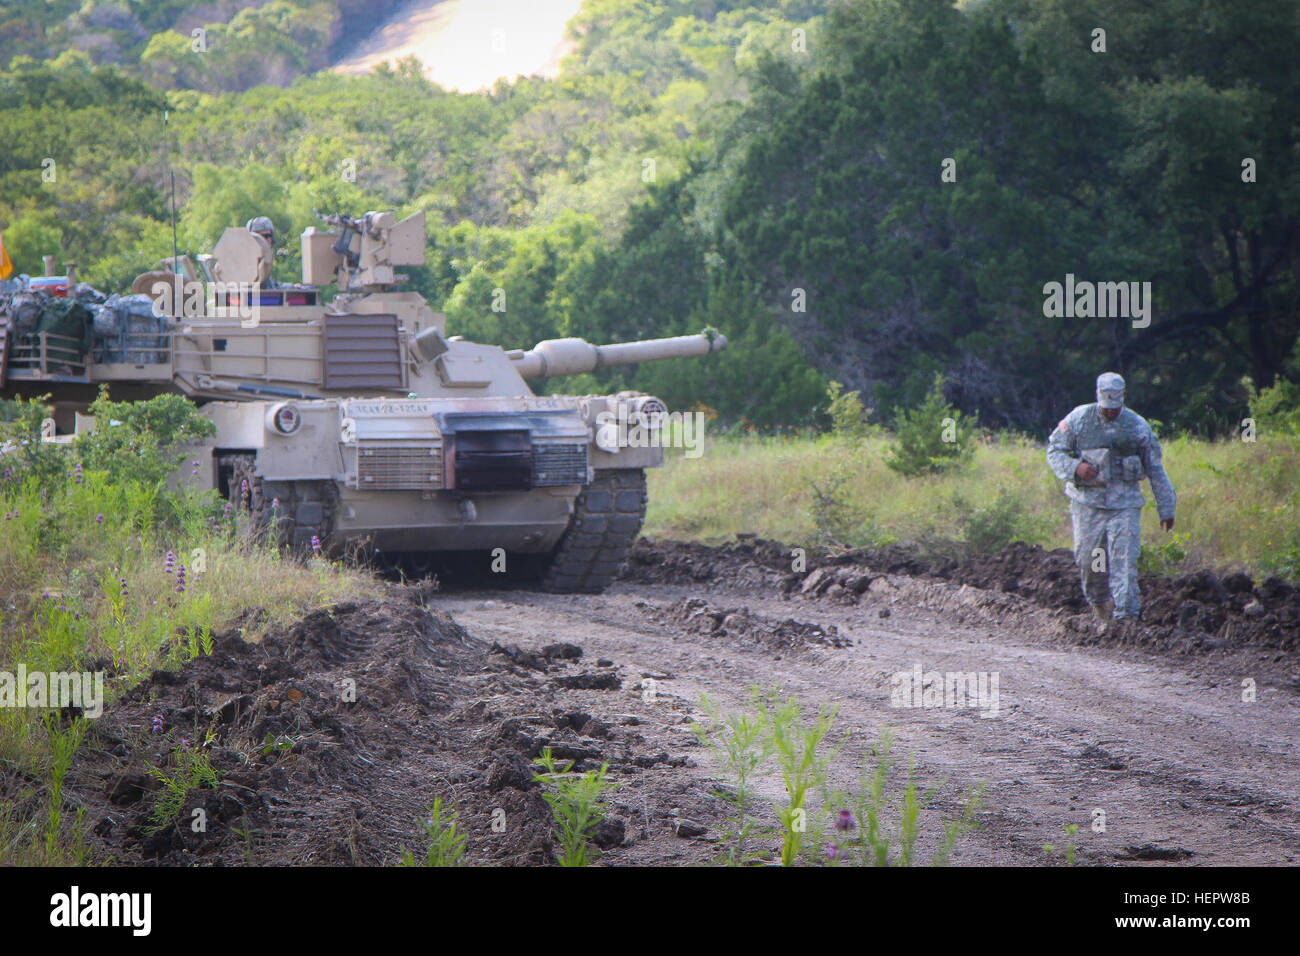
1098	462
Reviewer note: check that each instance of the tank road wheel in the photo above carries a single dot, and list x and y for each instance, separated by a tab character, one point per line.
246	493
282	512
606	520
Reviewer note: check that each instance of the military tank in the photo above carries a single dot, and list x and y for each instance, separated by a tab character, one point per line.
360	422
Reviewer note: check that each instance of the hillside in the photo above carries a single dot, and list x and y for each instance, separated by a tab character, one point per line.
469	46
201	44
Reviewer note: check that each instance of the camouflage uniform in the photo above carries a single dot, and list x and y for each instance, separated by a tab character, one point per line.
1106	511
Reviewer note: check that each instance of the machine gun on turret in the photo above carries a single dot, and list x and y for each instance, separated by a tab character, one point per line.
362	254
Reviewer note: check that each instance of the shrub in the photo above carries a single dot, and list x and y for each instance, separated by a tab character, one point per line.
25	454
577	805
446	842
141	440
848	414
1166	558
1285	562
741	746
839	520
797	745
932	438
990	528
1276	409
193	771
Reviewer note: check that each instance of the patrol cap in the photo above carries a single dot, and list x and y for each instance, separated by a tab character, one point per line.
1110	390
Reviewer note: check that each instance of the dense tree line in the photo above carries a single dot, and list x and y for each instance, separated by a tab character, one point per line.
873	191
210	45
1168	158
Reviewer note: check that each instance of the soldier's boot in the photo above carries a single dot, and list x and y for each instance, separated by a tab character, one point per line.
1102	614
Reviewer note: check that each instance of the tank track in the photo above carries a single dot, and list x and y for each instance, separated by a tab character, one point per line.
305	508
607	518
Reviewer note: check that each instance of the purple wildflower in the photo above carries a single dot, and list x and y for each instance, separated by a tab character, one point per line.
834	853
99	519
844	822
125	592
315	544
169	562
157	724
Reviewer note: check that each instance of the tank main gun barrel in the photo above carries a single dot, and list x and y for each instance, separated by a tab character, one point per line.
556	357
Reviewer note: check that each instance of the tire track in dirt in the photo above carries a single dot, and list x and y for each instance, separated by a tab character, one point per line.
1181	767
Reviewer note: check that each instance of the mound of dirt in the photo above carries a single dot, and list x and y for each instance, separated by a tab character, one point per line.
1194	612
330	738
741	624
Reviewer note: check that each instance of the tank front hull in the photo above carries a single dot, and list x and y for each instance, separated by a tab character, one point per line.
521	522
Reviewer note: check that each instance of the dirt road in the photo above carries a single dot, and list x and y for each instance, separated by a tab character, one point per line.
330	739
1179	765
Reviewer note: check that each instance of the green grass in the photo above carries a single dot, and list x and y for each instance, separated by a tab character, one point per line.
193	770
83	578
446	842
1238	503
578	805
812	823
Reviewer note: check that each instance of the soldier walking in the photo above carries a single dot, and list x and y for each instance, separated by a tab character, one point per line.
1102	451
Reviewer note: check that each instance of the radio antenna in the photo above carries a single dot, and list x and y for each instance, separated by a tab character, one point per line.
167	159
